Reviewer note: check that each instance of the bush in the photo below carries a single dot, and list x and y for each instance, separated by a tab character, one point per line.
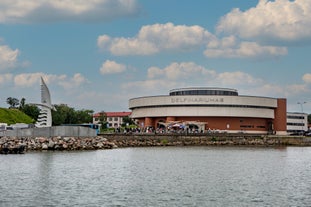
164	141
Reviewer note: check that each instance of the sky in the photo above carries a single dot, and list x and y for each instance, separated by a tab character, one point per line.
98	54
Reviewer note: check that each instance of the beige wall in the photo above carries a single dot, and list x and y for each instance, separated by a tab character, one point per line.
170	106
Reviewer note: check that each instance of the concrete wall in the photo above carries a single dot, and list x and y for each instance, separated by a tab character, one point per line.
70	131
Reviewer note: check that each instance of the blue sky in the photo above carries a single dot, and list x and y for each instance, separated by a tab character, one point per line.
98	54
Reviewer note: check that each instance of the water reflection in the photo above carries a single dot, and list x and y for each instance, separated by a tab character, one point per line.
169	176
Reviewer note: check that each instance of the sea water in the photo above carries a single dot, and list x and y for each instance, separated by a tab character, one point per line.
159	176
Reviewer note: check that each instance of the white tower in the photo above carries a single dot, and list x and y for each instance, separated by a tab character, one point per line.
45	116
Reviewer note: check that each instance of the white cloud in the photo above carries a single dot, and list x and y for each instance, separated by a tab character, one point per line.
30	11
180	71
282	20
152	39
186	74
189	71
307	78
110	67
101	101
149	87
229	47
291	92
296	89
30	79
5	78
70	83
264	89
237	78
8	57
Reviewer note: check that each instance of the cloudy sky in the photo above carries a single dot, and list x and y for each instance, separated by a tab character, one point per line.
97	54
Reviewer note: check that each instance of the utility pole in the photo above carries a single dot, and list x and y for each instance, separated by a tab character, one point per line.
302	125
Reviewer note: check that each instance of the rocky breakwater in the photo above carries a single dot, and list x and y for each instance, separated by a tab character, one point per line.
192	141
13	145
206	140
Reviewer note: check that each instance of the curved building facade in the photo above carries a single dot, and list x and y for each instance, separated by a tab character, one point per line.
211	109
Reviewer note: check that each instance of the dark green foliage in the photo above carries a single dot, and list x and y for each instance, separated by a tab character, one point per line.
22	103
127	121
103	120
164	142
31	110
13	102
60	115
104	125
68	115
84	116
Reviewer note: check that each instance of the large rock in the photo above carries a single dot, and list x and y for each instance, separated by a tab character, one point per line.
99	145
65	146
44	146
66	139
51	144
41	139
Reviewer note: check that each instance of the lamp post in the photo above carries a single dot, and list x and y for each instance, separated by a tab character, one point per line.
301	105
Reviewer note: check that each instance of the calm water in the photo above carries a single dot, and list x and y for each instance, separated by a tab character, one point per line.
172	176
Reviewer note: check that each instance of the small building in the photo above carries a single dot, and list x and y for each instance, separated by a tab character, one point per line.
3	126
297	122
114	119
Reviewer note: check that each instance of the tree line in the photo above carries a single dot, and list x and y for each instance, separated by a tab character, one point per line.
64	114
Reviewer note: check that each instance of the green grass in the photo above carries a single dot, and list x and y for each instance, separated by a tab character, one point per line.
13	116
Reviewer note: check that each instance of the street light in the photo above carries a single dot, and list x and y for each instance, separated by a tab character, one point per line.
301	105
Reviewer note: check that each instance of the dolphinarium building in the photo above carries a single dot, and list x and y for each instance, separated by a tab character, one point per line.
205	108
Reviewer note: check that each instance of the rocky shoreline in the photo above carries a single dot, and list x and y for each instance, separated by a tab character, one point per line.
199	140
13	145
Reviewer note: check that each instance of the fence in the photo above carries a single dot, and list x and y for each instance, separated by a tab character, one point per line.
69	131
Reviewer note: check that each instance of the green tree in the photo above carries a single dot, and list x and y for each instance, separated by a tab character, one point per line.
22	103
13	102
68	115
102	120
84	116
127	121
309	118
31	110
62	115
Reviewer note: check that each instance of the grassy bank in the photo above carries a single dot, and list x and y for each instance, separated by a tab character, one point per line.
13	116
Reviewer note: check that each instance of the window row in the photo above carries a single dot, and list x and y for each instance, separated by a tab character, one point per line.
295	117
204	92
295	124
